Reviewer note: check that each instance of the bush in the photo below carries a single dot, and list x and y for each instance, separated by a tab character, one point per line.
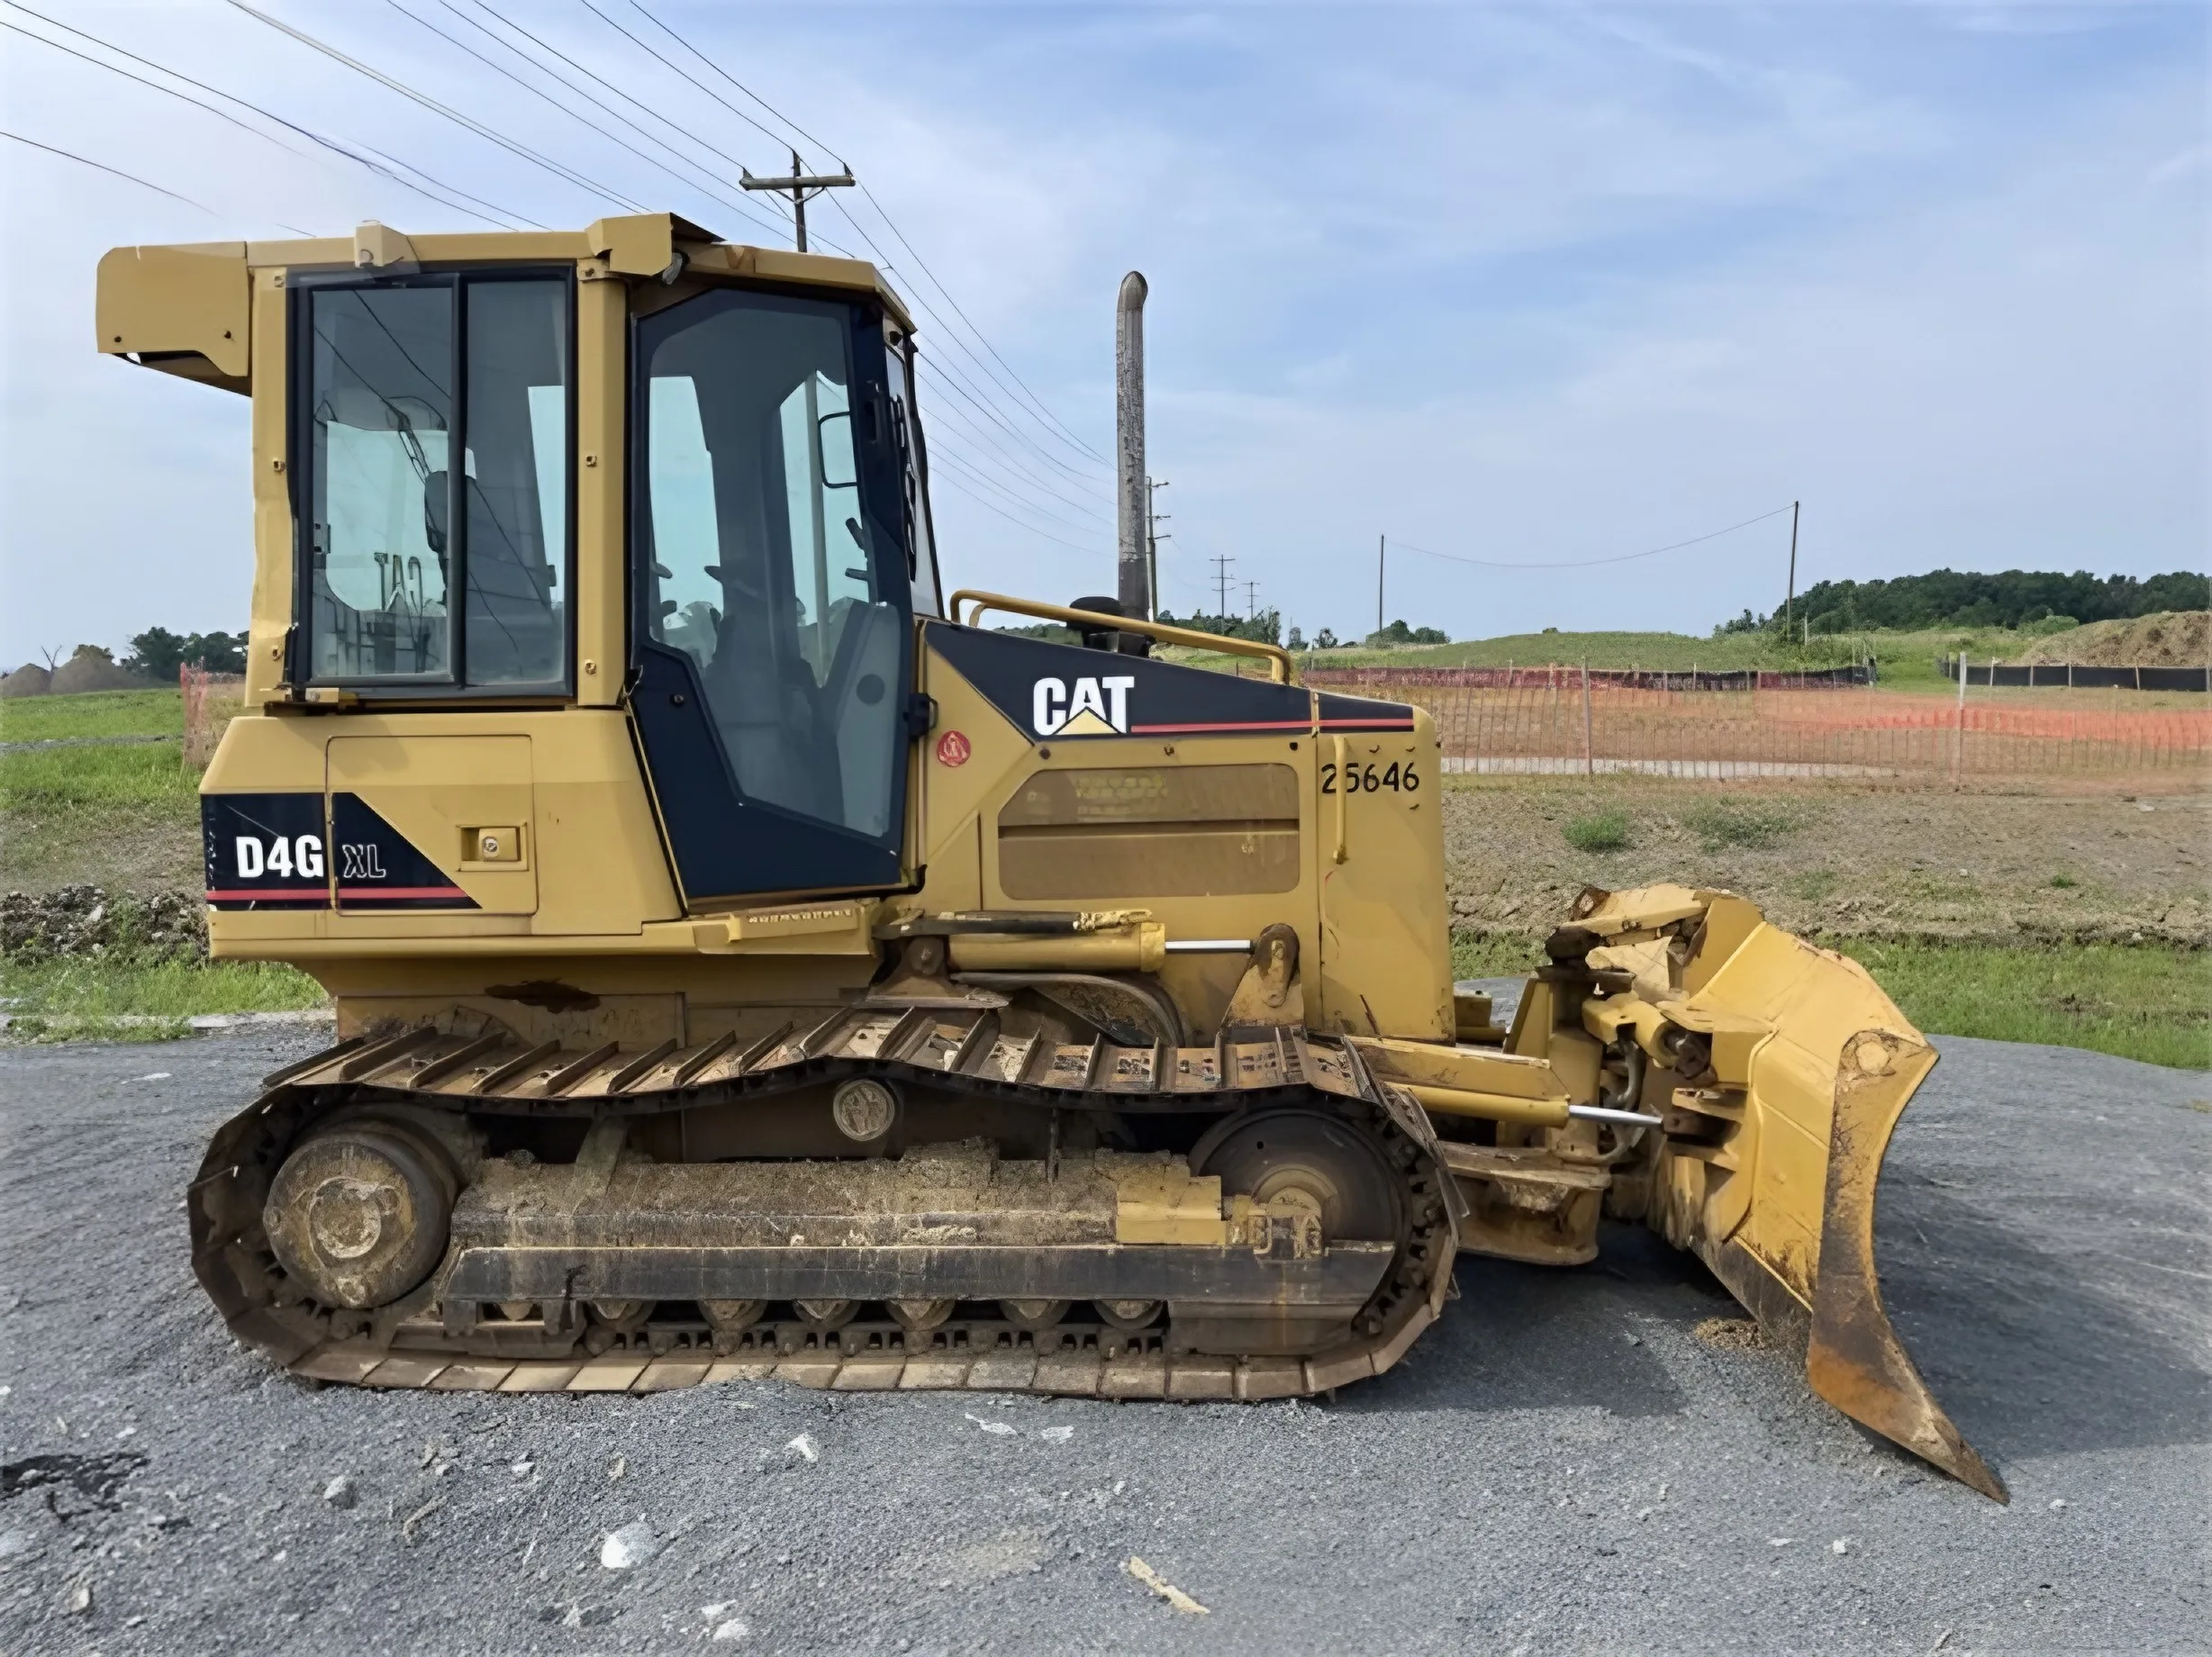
1602	831
1399	633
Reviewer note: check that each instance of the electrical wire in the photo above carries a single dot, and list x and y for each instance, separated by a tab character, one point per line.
960	464
102	166
1649	552
492	215
959	488
564	109
988	440
1052	423
523	152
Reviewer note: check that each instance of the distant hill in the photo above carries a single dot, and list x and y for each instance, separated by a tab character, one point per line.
2014	598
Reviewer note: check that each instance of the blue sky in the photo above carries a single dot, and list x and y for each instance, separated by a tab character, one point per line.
1527	283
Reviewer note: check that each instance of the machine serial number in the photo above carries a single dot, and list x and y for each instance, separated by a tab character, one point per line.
1366	780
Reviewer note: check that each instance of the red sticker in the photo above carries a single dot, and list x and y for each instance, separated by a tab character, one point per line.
952	749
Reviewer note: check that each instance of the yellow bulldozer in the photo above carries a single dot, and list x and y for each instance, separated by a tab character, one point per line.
746	963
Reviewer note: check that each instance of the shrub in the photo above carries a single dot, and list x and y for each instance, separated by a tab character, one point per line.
1751	824
1601	832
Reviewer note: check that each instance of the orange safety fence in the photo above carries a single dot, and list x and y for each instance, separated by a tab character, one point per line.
1560	727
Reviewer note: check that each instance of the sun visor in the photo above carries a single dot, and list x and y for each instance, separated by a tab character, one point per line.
182	309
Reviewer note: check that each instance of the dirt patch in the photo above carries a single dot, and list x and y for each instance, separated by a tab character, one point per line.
1842	863
1731	1335
2171	639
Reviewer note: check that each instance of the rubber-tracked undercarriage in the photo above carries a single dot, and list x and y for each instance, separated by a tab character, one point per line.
747	964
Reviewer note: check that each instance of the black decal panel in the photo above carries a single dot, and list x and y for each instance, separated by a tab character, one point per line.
1065	691
379	869
1360	713
264	851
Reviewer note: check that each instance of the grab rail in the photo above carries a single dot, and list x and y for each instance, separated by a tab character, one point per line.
1275	656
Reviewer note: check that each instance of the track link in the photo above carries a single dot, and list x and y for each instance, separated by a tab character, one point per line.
963	1050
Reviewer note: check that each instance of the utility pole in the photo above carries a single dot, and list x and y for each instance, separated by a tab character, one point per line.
1788	600
1132	503
1382	551
801	186
1221	561
1153	538
1252	600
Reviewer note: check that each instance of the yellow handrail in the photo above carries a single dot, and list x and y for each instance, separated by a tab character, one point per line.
1279	659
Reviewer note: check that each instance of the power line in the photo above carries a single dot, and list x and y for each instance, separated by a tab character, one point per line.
751	214
1051	421
104	167
965	467
1649	552
960	489
539	91
493	215
1012	463
523	152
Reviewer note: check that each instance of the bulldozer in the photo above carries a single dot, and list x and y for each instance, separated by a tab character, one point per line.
746	963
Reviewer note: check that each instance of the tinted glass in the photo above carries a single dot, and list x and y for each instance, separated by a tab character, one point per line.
380	410
516	480
761	566
922	557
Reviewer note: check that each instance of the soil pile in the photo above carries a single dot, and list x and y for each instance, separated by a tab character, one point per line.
86	921
2171	639
29	680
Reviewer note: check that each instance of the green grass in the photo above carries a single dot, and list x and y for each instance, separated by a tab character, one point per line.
1601	832
98	713
2140	1001
1493	955
1755	824
124	817
2151	1002
80	995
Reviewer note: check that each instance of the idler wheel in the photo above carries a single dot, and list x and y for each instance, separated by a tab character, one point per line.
920	1317
1315	1159
1033	1315
357	1214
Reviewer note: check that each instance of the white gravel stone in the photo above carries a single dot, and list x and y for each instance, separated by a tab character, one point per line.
340	1492
632	1545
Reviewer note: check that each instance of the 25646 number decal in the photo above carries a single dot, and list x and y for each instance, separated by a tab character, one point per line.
1364	779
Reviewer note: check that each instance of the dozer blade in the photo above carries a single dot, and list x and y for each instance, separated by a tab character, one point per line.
1815	1064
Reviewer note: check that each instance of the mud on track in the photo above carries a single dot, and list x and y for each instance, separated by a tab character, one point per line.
1562	1462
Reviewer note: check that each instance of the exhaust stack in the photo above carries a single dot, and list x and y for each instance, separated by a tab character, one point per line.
1133	586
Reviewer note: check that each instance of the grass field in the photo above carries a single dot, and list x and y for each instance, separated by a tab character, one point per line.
2146	1001
82	999
102	713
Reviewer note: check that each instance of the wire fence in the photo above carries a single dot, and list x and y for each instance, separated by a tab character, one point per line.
1555	723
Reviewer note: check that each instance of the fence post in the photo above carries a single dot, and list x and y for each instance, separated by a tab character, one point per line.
1958	746
1589	765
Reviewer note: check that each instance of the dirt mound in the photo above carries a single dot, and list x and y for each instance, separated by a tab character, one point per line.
96	672
2171	639
85	920
29	680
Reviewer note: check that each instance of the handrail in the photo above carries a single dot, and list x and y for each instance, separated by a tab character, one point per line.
1284	671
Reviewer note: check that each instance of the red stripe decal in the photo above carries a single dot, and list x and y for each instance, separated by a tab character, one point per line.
1164	730
253	893
401	892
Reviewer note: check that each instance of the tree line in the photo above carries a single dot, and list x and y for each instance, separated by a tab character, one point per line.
1961	598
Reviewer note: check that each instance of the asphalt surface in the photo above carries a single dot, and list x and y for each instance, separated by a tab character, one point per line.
1561	1464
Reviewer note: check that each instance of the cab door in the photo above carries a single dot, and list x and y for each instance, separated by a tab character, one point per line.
771	606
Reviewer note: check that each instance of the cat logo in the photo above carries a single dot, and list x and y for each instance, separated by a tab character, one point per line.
1097	707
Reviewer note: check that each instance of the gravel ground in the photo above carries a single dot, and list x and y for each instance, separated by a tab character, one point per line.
1562	1464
